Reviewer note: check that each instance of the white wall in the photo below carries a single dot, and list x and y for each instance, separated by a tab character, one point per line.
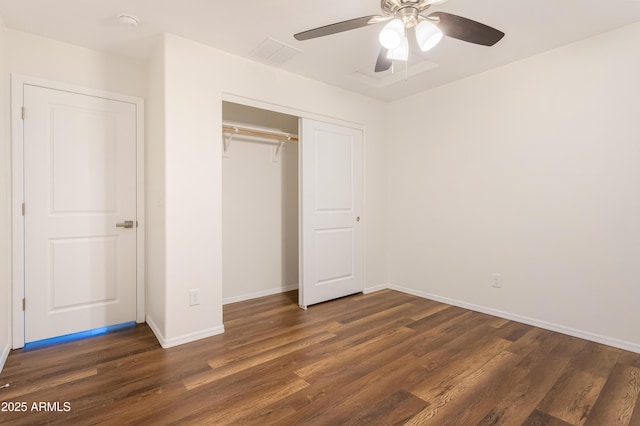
5	207
259	209
531	171
155	247
37	56
196	77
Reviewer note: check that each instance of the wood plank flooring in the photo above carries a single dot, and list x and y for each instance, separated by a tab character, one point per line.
381	359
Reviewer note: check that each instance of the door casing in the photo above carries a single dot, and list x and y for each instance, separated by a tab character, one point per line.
17	141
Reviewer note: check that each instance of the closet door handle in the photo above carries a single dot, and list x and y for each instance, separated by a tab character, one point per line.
125	224
358	219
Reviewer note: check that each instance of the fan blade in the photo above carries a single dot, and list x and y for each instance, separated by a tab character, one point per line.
339	27
466	30
383	63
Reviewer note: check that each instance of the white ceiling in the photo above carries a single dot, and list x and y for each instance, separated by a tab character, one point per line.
344	59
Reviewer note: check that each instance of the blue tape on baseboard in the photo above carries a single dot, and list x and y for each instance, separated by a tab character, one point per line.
78	336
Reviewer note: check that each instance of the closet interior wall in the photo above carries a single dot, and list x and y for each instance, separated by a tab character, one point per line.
259	208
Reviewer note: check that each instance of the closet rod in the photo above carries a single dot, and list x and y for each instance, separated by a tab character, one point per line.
259	133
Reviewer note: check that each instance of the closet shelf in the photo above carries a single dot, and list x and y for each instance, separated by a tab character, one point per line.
275	137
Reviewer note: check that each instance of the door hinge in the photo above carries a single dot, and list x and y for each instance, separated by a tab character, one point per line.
24	304
23	209
22	113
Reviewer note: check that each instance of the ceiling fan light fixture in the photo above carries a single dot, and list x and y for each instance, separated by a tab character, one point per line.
400	53
392	34
427	35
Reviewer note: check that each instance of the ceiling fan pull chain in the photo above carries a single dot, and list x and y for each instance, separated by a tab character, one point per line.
406	70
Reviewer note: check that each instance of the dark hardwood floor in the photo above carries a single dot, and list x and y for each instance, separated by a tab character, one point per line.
380	359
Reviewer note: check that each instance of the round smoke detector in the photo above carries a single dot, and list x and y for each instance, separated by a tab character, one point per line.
128	20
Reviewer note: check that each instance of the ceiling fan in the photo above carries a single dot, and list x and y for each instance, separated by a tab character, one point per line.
404	15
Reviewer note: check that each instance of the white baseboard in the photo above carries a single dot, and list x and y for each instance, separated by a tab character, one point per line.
181	340
616	343
4	356
257	294
152	325
376	288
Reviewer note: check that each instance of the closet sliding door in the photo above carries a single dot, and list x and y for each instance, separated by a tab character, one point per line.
331	222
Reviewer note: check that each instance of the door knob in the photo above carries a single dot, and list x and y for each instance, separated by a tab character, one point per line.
358	219
125	224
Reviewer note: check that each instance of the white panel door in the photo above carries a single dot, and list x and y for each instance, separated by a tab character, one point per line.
79	185
331	211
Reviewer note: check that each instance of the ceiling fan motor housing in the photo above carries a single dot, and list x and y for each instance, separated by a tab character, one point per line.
407	10
391	7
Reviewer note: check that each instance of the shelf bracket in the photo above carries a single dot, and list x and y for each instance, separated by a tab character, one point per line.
275	151
226	141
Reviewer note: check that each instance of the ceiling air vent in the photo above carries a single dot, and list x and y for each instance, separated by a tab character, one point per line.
274	52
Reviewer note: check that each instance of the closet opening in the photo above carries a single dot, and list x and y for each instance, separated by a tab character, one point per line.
260	203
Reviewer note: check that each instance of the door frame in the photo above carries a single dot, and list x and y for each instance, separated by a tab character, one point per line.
18	81
251	102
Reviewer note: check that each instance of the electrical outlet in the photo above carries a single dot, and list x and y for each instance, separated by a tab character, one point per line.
496	280
194	297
